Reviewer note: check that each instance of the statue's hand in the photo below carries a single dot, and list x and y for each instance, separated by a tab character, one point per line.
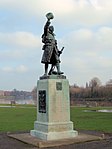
48	19
60	52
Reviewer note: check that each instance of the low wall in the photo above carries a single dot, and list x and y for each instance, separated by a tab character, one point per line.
4	101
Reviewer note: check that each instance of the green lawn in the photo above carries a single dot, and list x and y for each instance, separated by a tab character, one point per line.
17	119
99	121
22	119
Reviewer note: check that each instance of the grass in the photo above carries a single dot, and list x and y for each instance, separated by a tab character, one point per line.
17	119
98	121
22	119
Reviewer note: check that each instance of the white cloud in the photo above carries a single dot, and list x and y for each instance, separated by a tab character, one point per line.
89	52
17	69
37	7
18	46
21	39
84	12
7	69
83	34
86	39
21	69
104	36
105	62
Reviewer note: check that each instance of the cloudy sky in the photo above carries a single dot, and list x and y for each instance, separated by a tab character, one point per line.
83	27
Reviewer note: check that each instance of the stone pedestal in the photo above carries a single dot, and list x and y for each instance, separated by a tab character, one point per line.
53	109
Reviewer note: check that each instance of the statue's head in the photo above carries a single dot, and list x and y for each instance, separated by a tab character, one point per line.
51	28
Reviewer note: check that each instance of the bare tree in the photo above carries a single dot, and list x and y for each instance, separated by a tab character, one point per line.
94	84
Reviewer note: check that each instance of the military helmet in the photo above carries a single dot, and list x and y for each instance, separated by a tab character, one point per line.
50	15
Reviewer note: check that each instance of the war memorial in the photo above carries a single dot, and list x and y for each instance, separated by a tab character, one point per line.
53	106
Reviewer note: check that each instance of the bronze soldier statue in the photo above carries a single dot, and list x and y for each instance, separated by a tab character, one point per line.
51	53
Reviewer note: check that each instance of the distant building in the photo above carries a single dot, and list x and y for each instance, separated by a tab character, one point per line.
7	93
1	93
19	97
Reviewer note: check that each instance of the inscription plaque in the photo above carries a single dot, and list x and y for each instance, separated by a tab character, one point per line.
58	85
42	101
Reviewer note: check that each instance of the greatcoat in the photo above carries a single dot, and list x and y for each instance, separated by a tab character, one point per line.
50	54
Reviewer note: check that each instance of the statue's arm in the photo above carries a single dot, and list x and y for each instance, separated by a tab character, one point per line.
46	27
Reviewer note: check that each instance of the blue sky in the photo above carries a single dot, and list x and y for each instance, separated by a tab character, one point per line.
83	27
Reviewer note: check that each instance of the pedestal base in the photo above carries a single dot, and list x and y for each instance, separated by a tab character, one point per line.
53	131
54	135
53	109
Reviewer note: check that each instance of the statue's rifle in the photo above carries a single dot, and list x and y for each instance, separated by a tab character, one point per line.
60	52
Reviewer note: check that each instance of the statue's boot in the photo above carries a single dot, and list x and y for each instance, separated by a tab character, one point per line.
51	70
46	70
58	69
